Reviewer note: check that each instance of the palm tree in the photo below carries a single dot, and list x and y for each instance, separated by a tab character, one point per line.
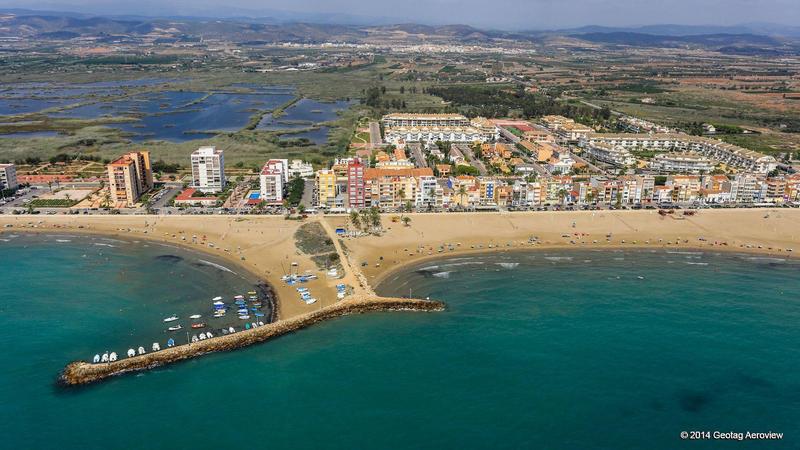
365	218
375	217
462	191
562	194
106	199
354	220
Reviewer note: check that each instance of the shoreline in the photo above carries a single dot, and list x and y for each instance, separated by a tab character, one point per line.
768	232
267	244
377	280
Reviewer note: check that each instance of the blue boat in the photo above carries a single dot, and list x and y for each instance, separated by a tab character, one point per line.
171	342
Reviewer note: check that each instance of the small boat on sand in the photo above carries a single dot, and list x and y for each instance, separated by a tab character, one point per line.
171	319
198	325
175	327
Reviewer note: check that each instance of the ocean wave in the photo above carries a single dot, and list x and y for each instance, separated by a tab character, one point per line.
63	240
673	252
766	259
422	269
5	240
442	274
100	244
618	259
209	263
558	258
696	263
508	265
466	263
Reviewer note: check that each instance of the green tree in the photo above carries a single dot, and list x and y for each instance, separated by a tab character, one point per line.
406	220
355	220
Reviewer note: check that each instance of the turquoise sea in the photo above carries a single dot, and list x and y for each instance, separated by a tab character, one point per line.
567	350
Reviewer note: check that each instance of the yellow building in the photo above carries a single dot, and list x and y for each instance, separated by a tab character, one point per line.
129	176
326	187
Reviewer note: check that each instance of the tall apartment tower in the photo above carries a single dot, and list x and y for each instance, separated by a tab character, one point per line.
208	169
356	194
8	176
130	176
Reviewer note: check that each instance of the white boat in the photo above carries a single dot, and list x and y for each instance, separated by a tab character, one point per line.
156	347
112	356
105	357
171	319
209	335
175	327
244	317
194	338
310	301
131	353
216	299
96	359
202	336
195	316
141	350
231	330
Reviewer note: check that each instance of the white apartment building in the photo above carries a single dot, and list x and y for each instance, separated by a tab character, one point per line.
299	168
725	153
273	179
8	176
682	162
208	169
610	153
437	127
429	193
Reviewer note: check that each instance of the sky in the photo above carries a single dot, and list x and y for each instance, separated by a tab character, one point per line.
498	14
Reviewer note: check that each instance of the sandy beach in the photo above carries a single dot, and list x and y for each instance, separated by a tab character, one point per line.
431	236
265	245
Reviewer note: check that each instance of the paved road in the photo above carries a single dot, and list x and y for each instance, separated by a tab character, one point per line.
168	194
467	151
578	159
419	158
375	133
308	194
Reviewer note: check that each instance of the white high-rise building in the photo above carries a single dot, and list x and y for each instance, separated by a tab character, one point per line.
273	179
8	176
208	169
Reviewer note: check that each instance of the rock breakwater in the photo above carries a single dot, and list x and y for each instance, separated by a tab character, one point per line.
82	372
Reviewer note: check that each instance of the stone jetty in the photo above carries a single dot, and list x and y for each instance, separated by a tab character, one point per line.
82	372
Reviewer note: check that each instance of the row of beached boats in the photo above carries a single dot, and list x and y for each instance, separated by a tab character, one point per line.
246	307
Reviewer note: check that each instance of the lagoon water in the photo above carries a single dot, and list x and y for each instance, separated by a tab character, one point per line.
536	350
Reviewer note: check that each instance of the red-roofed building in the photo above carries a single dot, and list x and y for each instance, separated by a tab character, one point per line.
187	198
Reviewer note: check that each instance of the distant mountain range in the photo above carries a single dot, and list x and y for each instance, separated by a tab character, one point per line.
741	39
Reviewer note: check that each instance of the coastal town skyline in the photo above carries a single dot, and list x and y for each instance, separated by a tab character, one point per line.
342	224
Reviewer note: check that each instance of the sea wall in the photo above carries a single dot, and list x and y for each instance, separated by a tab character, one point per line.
82	372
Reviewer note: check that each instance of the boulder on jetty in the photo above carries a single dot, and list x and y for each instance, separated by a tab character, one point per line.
82	372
